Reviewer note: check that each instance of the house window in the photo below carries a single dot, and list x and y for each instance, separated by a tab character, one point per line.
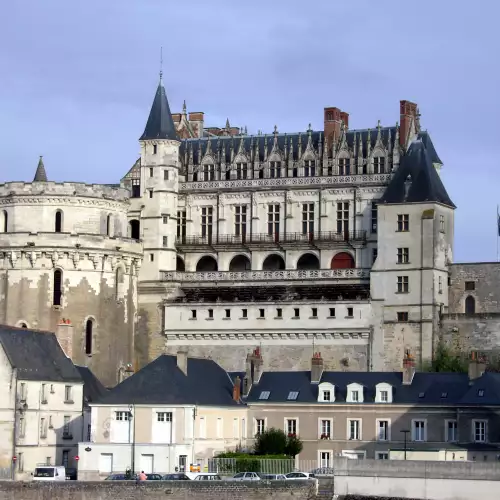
66	425
164	416
403	284
314	312
403	222
403	255
325	458
479	428
240	220
122	416
193	313
68	394
58	221
326	395
344	166
203	428
384	396
350	312
354	429
308	218
279	313
209	172
470	285
374	218
260	425
273	220
381	455
383	430
309	168
261	313
165	175
441	223
228	313
151	172
291	426
402	317
181	225
296	312
88	337
342	217
332	312
325	429
451	431
418	430
244	313
379	165
57	294
355	396
274	169
207	217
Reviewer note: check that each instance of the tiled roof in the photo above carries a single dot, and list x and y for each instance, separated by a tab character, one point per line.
37	355
161	382
92	389
160	124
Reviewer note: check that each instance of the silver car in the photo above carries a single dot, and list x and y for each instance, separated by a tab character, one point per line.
246	476
299	476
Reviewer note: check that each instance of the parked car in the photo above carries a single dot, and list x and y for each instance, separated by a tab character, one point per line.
116	477
246	476
154	477
49	473
300	476
178	476
207	476
273	477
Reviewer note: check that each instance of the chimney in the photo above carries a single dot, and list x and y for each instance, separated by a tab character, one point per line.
477	366
237	389
408	112
333	118
254	367
316	368
176	117
408	368
182	361
64	335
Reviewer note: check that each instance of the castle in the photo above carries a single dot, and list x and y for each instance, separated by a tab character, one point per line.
217	241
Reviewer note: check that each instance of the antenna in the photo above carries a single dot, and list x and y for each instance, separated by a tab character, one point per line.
161	63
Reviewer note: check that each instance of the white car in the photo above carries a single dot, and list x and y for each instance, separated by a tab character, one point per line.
246	476
299	476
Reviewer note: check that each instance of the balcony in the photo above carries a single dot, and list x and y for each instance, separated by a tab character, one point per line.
336	276
231	241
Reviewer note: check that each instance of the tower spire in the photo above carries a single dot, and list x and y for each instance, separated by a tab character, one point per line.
40	174
161	65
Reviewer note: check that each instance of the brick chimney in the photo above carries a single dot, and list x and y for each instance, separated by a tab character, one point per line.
332	126
316	368
237	389
64	334
408	368
182	361
408	112
254	367
477	366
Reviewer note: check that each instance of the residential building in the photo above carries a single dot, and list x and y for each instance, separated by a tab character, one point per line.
41	419
175	412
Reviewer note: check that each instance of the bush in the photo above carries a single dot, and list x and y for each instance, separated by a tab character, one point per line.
276	442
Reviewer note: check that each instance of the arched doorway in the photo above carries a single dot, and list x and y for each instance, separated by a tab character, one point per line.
343	260
240	263
308	261
179	265
135	229
273	262
206	264
470	305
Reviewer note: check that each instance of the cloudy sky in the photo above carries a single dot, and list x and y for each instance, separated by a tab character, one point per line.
77	80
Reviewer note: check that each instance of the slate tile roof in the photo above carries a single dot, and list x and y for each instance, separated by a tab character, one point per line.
37	355
160	124
92	389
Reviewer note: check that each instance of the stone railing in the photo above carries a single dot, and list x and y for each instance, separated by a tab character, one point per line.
292	274
333	180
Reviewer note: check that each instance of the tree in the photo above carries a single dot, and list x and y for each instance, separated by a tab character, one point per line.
446	360
276	442
293	445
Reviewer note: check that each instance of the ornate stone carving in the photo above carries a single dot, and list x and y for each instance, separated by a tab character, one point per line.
76	259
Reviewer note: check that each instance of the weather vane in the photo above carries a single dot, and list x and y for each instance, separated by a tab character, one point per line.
161	63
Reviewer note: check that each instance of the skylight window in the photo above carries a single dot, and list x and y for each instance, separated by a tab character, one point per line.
444	394
480	393
264	395
292	395
421	394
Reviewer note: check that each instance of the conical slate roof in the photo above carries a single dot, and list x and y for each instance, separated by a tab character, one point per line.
416	180
160	124
40	174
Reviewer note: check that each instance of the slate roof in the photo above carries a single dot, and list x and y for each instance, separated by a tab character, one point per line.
37	355
92	388
40	174
439	389
160	124
417	167
161	382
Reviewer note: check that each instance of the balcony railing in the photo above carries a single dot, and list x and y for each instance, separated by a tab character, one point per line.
291	274
276	238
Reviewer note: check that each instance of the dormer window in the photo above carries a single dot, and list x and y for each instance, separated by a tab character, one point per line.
326	392
383	393
264	395
355	393
292	395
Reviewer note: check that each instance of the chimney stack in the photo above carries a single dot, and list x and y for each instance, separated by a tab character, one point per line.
237	389
182	361
477	366
332	124
254	370
64	335
408	368
316	368
408	114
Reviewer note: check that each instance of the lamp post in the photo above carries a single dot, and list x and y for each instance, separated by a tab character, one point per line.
405	432
132	431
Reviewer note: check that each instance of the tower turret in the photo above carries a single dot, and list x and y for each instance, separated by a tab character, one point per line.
40	174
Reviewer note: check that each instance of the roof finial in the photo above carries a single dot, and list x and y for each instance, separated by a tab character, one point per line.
161	64
276	130
227	124
184	107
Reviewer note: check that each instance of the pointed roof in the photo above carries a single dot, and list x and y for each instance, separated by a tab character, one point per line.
160	124
40	174
416	180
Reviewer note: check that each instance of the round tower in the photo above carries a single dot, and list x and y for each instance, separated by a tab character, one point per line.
66	259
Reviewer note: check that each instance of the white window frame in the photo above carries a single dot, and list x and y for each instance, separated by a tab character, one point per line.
326	386
352	388
381	387
256	427
236	428
380	452
360	429
446	422
202	427
389	425
413	430
478	421
331	457
219	429
320	426
286	420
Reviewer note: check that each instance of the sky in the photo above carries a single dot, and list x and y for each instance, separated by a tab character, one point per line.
77	81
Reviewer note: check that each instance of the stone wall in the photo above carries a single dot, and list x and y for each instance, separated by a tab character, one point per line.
172	490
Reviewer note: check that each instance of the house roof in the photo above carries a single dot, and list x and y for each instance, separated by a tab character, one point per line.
37	355
426	388
160	124
162	382
416	179
92	388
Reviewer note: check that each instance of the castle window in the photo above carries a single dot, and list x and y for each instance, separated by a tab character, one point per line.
165	175
470	285
344	166
403	255
155	149
108	225
441	223
403	222
374	217
402	317
150	193
56	299
309	168
58	222
314	312
470	305
261	313
379	165
403	284
89	325
296	312
136	188
5	222
151	172
135	229
275	169
350	312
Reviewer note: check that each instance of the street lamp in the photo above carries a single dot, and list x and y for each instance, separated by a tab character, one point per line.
132	430
405	432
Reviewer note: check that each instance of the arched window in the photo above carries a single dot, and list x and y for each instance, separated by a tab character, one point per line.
180	266
308	261
342	260
5	221
470	305
206	264
57	287
120	283
135	229
58	221
89	326
273	262
240	263
108	225
23	325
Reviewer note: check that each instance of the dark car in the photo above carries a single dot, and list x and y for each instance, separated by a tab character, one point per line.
71	474
178	476
116	477
154	477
